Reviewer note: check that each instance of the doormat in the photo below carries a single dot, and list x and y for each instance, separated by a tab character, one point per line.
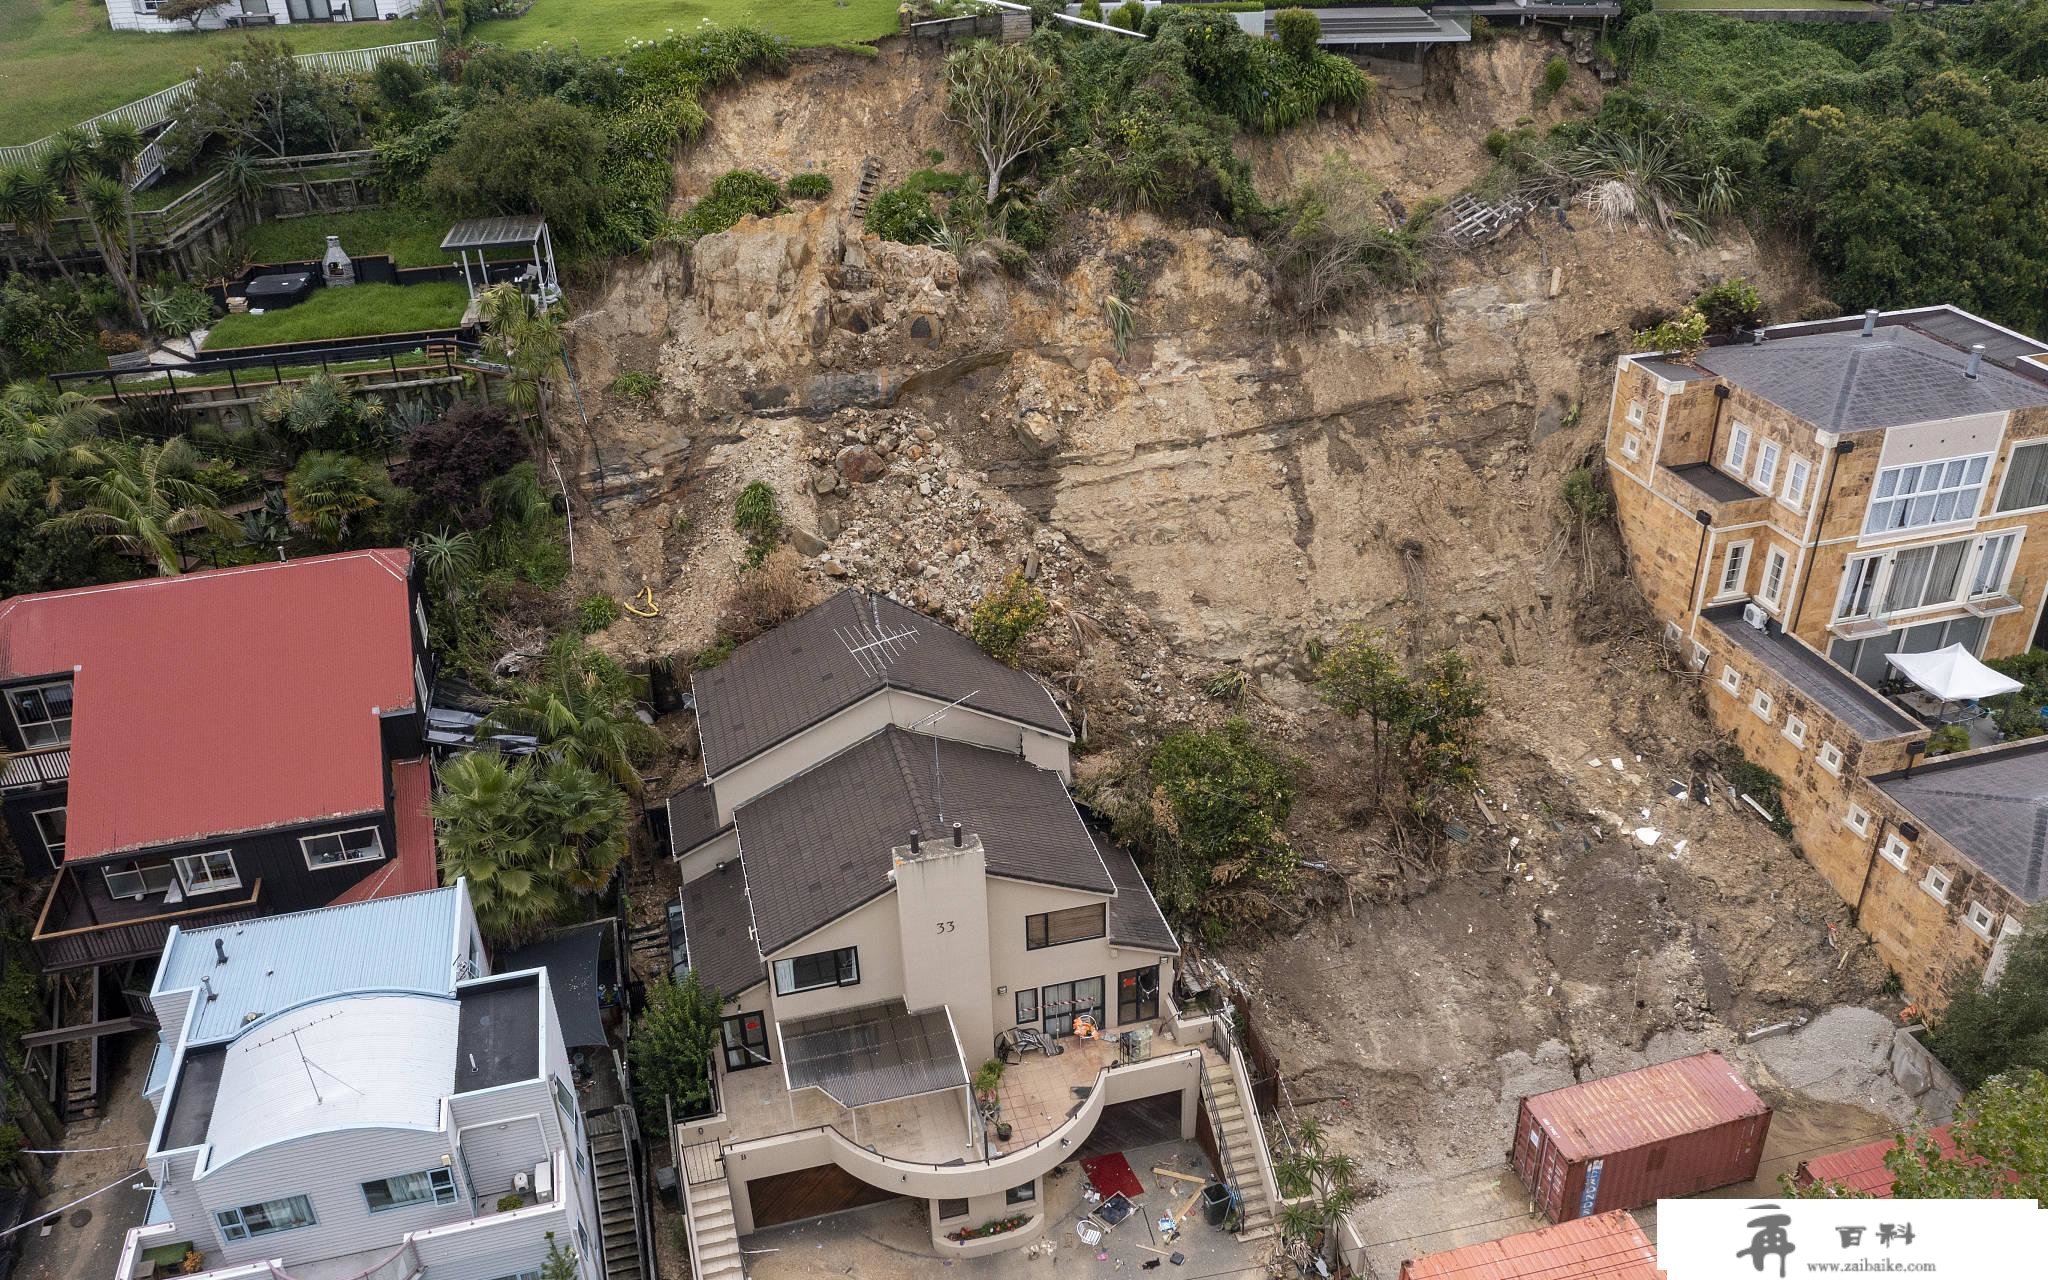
1111	1174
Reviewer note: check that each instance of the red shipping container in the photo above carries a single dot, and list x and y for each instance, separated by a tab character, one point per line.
1671	1130
1609	1245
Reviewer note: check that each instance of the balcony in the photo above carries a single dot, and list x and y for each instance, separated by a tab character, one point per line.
1702	486
82	924
47	767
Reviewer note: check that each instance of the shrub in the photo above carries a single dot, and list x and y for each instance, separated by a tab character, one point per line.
1298	31
2017	716
1730	305
809	186
1221	799
904	213
1682	336
1584	499
1130	15
764	598
1948	739
1007	616
637	383
756	514
735	195
450	460
1760	785
671	1049
1091	10
510	1201
1556	74
595	612
1982	1030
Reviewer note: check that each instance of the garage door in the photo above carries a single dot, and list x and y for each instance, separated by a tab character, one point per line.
1140	1122
792	1197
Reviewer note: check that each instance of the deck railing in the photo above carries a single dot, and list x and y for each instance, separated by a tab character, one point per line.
64	946
35	768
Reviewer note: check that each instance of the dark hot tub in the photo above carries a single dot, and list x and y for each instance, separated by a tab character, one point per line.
280	289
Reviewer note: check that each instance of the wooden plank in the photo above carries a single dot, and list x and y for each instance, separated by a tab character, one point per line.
1179	1177
86	1031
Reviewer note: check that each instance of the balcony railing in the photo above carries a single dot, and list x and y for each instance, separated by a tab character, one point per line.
64	941
41	768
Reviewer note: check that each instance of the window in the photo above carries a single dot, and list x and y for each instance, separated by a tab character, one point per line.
50	826
1798	473
1859	819
1994	564
267	1218
565	1102
1922	577
2026	478
1896	851
1137	995
746	1041
1734	569
1635	413
1795	730
1057	928
42	712
334	848
1631	445
1776	565
1731	679
1738	448
136	882
1924	493
839	968
1699	657
1062	1002
1027	1007
435	1186
1859	587
1830	757
207	872
1980	918
951	1209
1936	882
1765	477
1021	1195
1760	702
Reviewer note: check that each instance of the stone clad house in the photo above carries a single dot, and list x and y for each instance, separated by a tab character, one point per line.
886	881
1804	501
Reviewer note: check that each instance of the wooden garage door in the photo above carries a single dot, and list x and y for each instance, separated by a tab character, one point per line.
806	1193
1141	1122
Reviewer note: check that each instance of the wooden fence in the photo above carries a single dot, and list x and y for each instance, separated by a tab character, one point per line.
148	113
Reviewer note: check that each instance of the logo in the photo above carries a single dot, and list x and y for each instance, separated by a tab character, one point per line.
1745	1240
1771	1239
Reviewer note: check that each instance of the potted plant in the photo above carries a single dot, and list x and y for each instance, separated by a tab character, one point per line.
985	1082
509	1201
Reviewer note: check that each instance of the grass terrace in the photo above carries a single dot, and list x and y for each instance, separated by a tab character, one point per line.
603	26
411	236
361	311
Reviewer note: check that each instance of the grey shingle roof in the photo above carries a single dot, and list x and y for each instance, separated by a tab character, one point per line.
1712	481
798	674
818	846
1831	688
692	818
1134	916
1849	382
717	923
1992	807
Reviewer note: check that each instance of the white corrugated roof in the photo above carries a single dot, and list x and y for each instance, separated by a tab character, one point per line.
406	943
371	1061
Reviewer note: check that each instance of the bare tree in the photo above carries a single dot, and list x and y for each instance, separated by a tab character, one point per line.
1003	96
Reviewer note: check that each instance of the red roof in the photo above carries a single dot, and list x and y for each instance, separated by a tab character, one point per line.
1637	1108
1607	1245
414	868
1862	1168
225	701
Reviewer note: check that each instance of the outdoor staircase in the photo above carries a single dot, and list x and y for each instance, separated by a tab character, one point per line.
870	182
1232	1120
617	1217
714	1243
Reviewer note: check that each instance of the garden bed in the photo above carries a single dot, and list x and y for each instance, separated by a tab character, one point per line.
360	311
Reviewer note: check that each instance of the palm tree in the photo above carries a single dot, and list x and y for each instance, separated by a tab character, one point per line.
527	835
448	559
119	145
34	202
532	342
106	202
1321	1187
238	172
43	435
142	497
581	710
327	493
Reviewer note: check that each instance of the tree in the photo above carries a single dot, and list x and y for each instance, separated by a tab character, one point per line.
1320	1187
192	11
324	412
1419	724
330	496
530	835
1008	616
72	161
448	559
44	436
1004	96
450	460
34	202
2000	1140
1299	32
142	497
1984	1030
251	101
531	341
581	709
119	145
672	1049
1362	679
516	155
1216	819
561	1261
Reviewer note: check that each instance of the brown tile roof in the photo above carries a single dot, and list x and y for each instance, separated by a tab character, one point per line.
780	684
717	930
818	846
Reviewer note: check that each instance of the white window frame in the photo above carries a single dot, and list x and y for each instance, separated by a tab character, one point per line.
375	852
1862	576
1881	499
1765	477
2011	538
1761	703
2005	480
233	1227
58	737
54	848
1859	819
1699	657
1896	851
1631	445
166	875
1636	409
187	863
1830	757
1731	679
1777	569
1798	474
1795	730
1740	437
1975	909
1937	882
1734	563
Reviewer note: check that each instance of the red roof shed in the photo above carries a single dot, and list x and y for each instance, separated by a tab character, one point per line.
1609	1246
1862	1168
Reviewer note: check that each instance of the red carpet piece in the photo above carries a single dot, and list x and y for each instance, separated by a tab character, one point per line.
1112	1173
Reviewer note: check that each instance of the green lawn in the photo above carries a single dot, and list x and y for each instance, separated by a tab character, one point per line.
1764	4
604	25
60	63
411	236
362	311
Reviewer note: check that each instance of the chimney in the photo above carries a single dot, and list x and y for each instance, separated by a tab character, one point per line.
1976	360
336	267
956	835
916	842
220	952
1870	322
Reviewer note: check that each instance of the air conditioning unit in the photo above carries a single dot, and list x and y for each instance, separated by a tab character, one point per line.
1755	616
544	1180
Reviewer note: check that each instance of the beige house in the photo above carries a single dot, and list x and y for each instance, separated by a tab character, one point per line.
888	884
1804	502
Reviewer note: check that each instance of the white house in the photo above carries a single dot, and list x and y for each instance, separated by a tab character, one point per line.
351	1091
141	15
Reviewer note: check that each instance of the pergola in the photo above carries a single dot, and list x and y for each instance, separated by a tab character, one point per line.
481	235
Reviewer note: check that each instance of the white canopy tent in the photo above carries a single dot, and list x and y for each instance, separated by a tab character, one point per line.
1952	674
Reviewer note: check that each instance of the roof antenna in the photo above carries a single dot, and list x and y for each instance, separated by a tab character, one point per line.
938	787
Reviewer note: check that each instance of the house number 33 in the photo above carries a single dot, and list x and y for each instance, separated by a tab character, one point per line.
945	926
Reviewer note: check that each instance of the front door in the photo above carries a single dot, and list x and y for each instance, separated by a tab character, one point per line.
309	11
363	10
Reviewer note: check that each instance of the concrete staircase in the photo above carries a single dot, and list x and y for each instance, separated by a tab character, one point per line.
1234	1123
617	1220
714	1244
